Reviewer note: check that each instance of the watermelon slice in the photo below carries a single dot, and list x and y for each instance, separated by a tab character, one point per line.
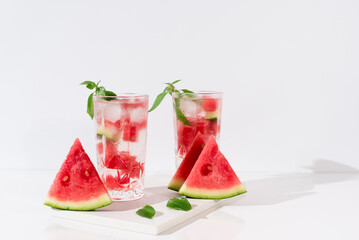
188	162
77	185
212	176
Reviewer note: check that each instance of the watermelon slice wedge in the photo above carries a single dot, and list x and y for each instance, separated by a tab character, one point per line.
188	162
77	185
212	176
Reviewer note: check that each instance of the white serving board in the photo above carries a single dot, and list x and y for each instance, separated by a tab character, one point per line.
122	215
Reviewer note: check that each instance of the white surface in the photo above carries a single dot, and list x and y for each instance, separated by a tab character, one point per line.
123	215
278	206
288	70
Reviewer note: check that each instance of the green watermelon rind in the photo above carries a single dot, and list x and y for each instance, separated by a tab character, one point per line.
86	205
175	184
211	193
110	135
211	116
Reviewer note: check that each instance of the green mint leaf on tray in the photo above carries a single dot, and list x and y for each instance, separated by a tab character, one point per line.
179	203
146	212
100	91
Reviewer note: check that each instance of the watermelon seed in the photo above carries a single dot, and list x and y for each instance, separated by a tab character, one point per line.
206	170
65	178
87	174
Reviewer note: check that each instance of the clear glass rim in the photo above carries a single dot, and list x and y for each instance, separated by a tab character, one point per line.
200	93
124	96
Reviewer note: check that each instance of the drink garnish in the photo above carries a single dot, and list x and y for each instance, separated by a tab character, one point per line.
100	91
179	203
147	211
169	89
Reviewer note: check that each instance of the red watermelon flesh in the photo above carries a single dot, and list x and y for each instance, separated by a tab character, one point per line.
77	185
121	160
188	162
110	151
185	135
209	104
130	133
117	182
212	176
126	163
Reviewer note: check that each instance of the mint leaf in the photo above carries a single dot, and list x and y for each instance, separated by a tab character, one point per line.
90	85
86	82
186	91
170	88
179	114
109	95
179	203
90	110
174	82
158	100
100	91
147	212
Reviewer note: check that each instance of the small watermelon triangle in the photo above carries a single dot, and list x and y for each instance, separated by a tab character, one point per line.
188	162
212	176
77	185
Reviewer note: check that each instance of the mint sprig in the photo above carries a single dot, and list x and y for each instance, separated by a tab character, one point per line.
147	212
179	203
99	91
169	89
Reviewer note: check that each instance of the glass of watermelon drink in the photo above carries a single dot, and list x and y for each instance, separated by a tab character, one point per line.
121	130
195	112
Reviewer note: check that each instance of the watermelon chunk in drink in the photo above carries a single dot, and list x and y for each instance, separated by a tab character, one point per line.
209	104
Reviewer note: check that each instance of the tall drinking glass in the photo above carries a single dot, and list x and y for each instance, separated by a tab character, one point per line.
195	112
121	130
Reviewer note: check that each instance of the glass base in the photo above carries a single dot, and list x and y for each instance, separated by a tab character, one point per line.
120	196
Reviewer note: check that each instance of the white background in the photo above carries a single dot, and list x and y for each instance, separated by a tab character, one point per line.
288	70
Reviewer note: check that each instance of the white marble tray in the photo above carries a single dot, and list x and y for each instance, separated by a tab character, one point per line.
122	215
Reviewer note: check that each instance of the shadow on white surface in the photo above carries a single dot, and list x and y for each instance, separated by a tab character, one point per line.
215	225
58	232
289	186
328	166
